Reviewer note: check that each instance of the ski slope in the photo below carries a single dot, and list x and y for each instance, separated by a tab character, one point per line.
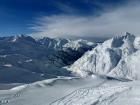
72	91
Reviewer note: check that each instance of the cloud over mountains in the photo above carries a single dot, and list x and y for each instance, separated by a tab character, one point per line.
115	21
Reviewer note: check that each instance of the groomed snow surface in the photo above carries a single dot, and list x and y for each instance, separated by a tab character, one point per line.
73	91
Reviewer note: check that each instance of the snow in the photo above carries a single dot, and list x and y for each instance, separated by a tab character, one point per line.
110	55
97	80
130	97
128	67
18	88
42	74
73	91
15	38
29	60
18	37
76	44
137	43
90	95
3	56
64	44
55	43
8	65
45	92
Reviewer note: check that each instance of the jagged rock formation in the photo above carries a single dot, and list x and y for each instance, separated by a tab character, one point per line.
116	57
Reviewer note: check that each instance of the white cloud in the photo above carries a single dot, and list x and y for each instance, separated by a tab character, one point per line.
114	22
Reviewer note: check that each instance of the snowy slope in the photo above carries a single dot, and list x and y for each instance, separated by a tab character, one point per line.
45	92
106	56
73	91
128	67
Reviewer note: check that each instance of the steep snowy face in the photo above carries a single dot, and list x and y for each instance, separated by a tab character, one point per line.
53	43
67	51
127	68
79	45
103	58
76	48
137	43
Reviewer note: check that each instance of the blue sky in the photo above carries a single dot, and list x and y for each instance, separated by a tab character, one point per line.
57	18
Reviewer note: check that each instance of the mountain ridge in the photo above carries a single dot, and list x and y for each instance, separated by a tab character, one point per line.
106	56
25	59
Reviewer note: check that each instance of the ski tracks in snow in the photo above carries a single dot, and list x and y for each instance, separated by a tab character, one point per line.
99	95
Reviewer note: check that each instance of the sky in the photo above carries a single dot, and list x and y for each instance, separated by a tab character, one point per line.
69	18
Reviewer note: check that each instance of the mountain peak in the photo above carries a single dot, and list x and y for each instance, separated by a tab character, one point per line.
104	57
128	34
22	37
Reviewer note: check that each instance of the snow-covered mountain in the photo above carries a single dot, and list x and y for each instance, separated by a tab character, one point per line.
116	57
45	58
127	68
56	43
27	64
30	60
79	45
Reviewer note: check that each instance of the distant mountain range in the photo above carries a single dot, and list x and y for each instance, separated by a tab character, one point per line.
24	59
52	71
